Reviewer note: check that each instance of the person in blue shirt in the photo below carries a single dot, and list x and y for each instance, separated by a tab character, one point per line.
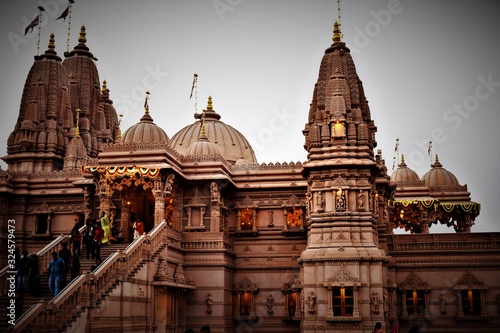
57	269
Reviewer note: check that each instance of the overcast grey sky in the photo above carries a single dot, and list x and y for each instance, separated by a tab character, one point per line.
430	71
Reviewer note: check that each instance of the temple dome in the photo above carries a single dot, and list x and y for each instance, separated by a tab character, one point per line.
439	176
230	143
145	131
202	147
404	174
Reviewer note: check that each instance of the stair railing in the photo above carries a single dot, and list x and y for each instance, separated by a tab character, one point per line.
44	256
77	295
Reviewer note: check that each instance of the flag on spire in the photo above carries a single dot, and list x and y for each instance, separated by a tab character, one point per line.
146	104
32	25
64	14
195	78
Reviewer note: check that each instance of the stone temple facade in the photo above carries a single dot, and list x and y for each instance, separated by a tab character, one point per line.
231	243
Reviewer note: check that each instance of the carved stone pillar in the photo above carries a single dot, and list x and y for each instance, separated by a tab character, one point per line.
159	207
483	302
254	219
188	212
202	215
125	218
403	300
392	299
329	312
355	312
459	304
215	217
426	300
238	226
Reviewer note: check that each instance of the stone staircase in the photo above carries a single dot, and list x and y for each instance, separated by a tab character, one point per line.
89	290
87	265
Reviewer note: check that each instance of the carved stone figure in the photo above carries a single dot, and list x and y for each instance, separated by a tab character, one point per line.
361	200
169	183
271	218
86	195
309	201
214	192
312	302
340	203
270	304
209	302
375	302
442	304
319	201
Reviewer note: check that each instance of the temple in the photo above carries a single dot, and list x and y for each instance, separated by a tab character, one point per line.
229	242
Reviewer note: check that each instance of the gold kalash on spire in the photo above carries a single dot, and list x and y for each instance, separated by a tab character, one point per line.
337	34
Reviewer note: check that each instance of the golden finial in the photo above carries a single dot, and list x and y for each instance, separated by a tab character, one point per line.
146	103
82	39
203	132
52	42
337	36
104	86
402	158
209	103
77	132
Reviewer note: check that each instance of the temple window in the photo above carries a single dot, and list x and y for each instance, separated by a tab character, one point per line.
245	304
343	301
415	302
41	223
245	292
247	219
293	217
415	297
291	303
471	302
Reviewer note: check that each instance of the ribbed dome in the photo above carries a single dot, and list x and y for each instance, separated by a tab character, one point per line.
144	131
231	144
404	174
439	176
202	147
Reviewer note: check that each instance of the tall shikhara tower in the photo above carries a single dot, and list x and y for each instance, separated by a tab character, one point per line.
343	269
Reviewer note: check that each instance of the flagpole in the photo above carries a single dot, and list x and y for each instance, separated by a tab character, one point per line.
429	151
196	95
40	10
69	25
395	158
194	89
